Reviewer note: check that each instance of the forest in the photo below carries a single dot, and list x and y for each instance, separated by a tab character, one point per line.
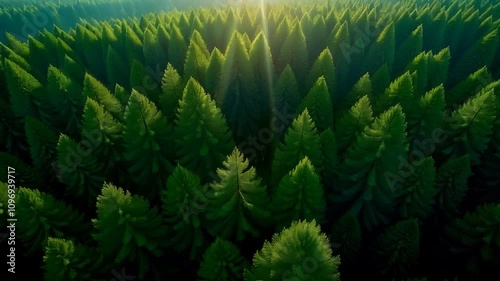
305	140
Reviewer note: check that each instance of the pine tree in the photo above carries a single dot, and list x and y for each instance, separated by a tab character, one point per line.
346	237
236	94
381	51
294	53
477	233
323	66
438	68
154	53
301	139
92	53
196	63
148	144
469	128
25	91
94	89
65	260
231	268
409	49
426	120
451	183
419	189
39	59
339	45
41	216
177	49
184	202
213	73
172	87
42	142
299	196
282	31
133	44
380	80
367	175
400	91
144	80
397	249
319	104
117	69
284	256
419	67
285	96
468	87
363	87
352	123
239	201
127	228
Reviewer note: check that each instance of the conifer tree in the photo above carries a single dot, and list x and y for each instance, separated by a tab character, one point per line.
363	87
196	63
347	234
184	203
317	42
232	267
419	67
236	94
197	38
144	80
65	260
8	53
323	66
154	53
352	123
42	142
133	45
177	49
409	49
477	233
381	51
294	53
469	128
299	196
213	74
92	53
419	190
319	104
400	91
172	87
438	68
339	45
11	129
301	139
397	249
117	68
467	87
41	216
25	91
366	178
451	184
380	80
127	228
39	58
148	144
202	136
121	94
282	31
286	95
95	90
239	201
284	256
427	119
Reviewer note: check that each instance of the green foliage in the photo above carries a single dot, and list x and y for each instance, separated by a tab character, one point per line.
294	53
222	261
63	260
324	67
42	142
301	139
41	216
287	255
139	226
239	201
148	143
451	183
299	196
202	137
347	234
319	104
183	204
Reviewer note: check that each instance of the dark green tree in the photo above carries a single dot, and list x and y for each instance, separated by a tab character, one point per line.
319	104
230	269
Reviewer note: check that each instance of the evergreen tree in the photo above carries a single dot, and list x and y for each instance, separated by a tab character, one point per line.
367	175
409	49
95	90
294	53
285	255
42	143
127	228
144	80
319	104
177	49
301	139
65	260
213	73
438	68
330	157
41	216
196	63
117	68
239	201
172	87
202	136
339	45
363	87
467	87
148	144
419	67
323	66
352	123
232	267
400	91
299	196
236	95
155	55
25	175
397	249
381	51
184	203
469	128
286	95
347	234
